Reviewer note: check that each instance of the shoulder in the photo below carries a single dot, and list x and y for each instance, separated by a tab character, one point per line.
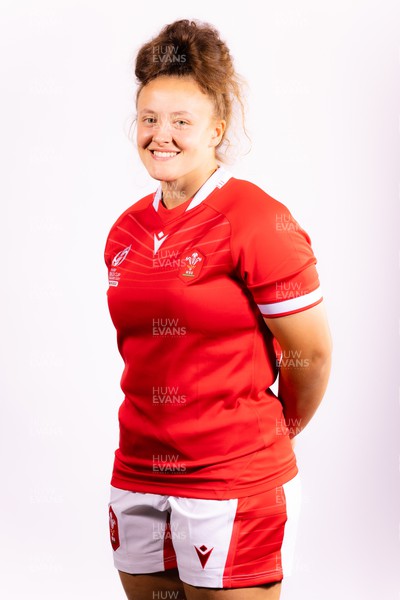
256	218
113	234
244	203
139	205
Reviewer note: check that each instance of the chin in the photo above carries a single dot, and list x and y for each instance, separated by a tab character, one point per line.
162	173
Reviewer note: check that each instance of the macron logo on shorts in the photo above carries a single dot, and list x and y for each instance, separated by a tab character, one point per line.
204	554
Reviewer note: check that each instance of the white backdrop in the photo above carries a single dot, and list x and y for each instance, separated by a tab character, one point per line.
324	121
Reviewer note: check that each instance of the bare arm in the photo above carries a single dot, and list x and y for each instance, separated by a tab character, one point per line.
306	361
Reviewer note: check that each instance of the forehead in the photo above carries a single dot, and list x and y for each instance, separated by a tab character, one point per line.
173	94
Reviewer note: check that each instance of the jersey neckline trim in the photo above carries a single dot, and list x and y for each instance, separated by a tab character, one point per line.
216	180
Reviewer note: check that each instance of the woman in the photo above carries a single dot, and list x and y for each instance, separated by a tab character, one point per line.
207	278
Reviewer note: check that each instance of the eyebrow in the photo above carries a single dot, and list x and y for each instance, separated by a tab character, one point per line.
174	114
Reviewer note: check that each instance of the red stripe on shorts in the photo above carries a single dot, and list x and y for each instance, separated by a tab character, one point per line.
168	550
254	556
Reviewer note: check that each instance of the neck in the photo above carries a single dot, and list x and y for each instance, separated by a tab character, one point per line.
179	191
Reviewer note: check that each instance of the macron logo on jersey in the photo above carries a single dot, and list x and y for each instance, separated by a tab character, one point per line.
121	256
159	238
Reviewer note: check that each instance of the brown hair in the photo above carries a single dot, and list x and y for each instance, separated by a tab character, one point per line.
195	49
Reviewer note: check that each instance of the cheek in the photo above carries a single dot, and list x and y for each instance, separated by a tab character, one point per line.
193	141
143	137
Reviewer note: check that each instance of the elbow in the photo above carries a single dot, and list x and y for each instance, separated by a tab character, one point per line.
321	352
320	363
321	355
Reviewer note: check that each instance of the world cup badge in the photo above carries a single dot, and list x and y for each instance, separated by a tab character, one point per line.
121	256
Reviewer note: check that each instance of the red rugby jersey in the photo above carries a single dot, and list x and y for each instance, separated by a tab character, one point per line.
188	288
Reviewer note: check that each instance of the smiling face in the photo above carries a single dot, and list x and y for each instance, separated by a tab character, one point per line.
177	131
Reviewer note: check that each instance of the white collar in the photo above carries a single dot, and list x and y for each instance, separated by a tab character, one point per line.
217	179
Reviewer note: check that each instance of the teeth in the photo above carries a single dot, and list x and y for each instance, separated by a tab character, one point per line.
164	154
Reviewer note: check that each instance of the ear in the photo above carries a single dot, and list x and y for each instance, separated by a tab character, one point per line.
217	132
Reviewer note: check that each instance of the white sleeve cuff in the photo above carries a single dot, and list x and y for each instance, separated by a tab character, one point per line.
291	305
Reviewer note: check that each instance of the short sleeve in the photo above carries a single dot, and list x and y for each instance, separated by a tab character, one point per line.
275	260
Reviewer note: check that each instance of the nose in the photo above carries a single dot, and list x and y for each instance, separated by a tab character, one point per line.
162	133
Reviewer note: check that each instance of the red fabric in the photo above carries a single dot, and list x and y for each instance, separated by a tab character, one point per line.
198	419
114	532
169	555
254	556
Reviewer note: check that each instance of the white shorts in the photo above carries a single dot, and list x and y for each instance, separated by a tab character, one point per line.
235	543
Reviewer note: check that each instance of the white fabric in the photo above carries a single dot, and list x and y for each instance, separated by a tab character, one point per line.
276	308
202	522
217	179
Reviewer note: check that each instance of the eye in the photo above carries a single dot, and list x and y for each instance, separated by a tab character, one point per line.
181	123
149	120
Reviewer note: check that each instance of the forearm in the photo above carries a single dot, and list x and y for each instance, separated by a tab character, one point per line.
302	384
